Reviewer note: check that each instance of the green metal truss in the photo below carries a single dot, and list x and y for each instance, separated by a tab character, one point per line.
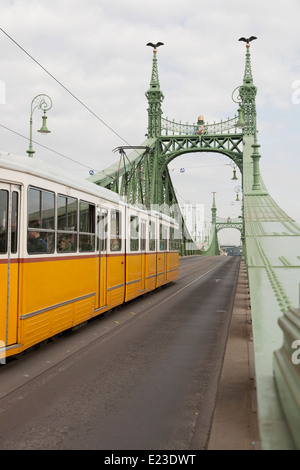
271	240
143	176
234	223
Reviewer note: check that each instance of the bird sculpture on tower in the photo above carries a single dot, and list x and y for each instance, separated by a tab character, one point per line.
248	40
155	46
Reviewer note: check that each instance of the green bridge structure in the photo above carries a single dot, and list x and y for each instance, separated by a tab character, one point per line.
270	239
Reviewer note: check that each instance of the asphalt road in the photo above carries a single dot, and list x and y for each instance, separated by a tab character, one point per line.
141	377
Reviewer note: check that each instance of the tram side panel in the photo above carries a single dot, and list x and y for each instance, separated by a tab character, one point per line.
9	263
9	281
57	294
47	291
141	256
150	271
58	284
173	255
172	266
168	254
133	255
101	265
116	258
3	301
151	255
162	254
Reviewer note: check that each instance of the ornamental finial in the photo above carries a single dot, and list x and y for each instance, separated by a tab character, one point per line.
155	46
248	40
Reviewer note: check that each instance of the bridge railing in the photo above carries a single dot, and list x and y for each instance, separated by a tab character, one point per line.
178	128
229	220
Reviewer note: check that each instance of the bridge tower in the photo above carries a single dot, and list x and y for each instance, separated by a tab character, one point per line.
214	210
213	248
247	111
155	98
271	239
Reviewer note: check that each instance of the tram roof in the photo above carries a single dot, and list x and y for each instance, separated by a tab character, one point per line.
36	167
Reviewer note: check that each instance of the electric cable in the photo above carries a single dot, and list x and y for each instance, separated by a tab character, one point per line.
64	87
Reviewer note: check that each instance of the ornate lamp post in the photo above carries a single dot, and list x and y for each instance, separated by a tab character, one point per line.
233	165
240	122
237	189
43	102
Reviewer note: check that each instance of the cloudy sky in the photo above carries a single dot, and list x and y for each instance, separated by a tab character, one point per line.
97	50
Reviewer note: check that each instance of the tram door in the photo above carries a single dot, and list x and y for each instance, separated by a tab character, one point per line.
143	254
102	258
162	254
9	263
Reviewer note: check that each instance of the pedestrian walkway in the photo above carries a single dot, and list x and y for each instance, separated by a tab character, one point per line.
235	424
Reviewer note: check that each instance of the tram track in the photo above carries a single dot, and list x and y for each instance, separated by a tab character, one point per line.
54	350
142	347
193	264
32	364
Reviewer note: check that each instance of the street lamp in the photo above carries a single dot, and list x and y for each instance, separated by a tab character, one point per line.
44	103
237	190
240	122
233	165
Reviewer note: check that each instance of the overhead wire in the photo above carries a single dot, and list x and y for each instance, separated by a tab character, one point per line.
47	148
76	98
64	87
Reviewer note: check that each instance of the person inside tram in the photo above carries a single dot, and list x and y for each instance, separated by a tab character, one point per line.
3	241
115	244
35	244
64	244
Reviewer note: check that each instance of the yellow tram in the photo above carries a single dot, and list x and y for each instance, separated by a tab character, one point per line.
71	250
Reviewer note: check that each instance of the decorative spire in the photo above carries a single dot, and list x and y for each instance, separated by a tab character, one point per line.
248	79
155	98
248	93
154	84
248	74
214	210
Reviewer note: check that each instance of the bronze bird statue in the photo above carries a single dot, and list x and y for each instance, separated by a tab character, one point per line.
247	40
155	46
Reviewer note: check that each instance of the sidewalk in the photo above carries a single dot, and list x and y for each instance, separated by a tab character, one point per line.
234	424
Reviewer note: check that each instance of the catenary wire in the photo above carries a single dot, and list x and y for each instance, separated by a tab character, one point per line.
51	150
64	87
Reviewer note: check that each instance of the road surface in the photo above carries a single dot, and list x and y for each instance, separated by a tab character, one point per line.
142	377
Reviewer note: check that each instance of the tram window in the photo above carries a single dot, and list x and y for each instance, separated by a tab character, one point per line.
66	224
66	213
143	235
115	230
152	239
162	237
102	231
40	221
41	208
3	220
134	233
173	239
86	226
14	222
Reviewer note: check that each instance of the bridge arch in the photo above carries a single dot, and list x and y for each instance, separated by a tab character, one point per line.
229	236
175	146
270	241
196	176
